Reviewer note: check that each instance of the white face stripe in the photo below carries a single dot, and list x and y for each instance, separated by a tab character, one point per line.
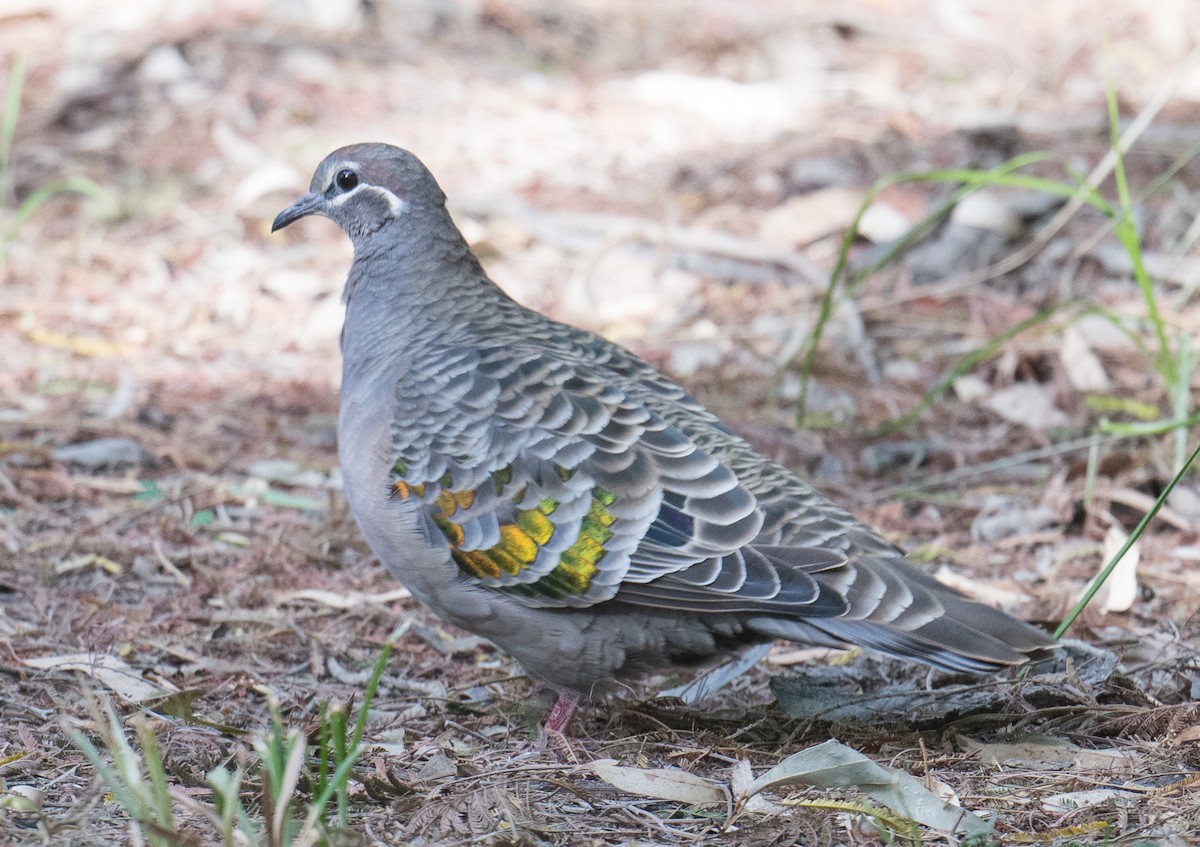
394	203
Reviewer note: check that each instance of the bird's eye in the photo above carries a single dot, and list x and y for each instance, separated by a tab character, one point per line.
346	179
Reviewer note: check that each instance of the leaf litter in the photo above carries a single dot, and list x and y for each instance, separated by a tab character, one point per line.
170	517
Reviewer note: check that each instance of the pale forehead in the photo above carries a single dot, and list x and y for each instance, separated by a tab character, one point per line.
332	164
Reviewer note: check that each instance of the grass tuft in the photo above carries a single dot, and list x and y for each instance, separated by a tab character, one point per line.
299	780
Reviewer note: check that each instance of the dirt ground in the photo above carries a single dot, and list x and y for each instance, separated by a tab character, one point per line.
677	176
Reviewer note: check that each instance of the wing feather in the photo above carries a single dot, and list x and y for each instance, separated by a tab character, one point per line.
568	473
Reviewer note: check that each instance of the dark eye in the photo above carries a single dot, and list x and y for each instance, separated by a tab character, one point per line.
346	179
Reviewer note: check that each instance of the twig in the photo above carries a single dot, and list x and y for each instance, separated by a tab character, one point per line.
1005	463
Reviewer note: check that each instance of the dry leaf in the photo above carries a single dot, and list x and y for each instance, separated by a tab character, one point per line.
85	560
805	218
987	210
970	388
348	600
741	777
1120	590
1030	404
1083	367
883	223
1073	800
102	453
1004	594
661	783
438	766
120	678
91	346
784	656
1187	736
22	798
834	765
1047	753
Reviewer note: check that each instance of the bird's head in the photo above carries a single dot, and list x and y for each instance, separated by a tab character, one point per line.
364	188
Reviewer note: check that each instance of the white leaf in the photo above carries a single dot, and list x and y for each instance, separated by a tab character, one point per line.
22	798
1075	800
120	678
1083	367
1028	403
969	388
987	210
882	223
1121	588
660	783
741	778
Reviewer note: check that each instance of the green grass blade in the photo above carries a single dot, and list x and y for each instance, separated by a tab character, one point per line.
160	795
107	773
1181	394
8	122
965	364
1100	579
341	776
1006	174
1127	235
360	723
1142	429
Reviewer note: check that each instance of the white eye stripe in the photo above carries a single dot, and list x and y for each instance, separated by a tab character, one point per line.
394	203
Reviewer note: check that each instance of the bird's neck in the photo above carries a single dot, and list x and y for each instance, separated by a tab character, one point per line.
406	295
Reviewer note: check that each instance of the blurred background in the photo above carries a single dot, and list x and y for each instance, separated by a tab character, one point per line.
575	141
679	176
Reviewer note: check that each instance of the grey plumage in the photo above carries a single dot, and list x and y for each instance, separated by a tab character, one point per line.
547	489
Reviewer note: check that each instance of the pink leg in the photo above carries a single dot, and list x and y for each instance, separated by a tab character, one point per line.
561	714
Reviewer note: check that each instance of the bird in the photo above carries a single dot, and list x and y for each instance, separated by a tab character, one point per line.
547	489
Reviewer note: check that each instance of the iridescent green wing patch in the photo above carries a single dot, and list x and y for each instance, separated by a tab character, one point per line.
519	561
539	533
580	562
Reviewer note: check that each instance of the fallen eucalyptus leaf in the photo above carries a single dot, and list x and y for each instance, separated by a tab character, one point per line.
834	765
346	600
1075	800
1046	753
660	783
122	679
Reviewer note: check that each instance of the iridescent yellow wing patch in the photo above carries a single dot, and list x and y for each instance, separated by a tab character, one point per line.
579	563
521	539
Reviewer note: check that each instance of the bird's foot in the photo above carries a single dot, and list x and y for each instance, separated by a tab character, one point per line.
560	716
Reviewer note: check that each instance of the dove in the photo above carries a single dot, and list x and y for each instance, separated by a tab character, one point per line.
548	490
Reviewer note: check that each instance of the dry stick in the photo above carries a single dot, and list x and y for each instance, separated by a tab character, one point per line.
1043	236
1005	463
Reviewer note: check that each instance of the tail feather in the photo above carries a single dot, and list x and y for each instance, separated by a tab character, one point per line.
937	626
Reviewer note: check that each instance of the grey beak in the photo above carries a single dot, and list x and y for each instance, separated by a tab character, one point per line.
311	203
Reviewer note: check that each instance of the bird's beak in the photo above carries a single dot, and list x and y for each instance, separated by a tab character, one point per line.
311	203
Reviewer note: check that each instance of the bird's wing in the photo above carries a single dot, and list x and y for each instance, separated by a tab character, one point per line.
554	484
570	480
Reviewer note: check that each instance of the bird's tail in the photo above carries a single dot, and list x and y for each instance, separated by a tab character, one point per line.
900	610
